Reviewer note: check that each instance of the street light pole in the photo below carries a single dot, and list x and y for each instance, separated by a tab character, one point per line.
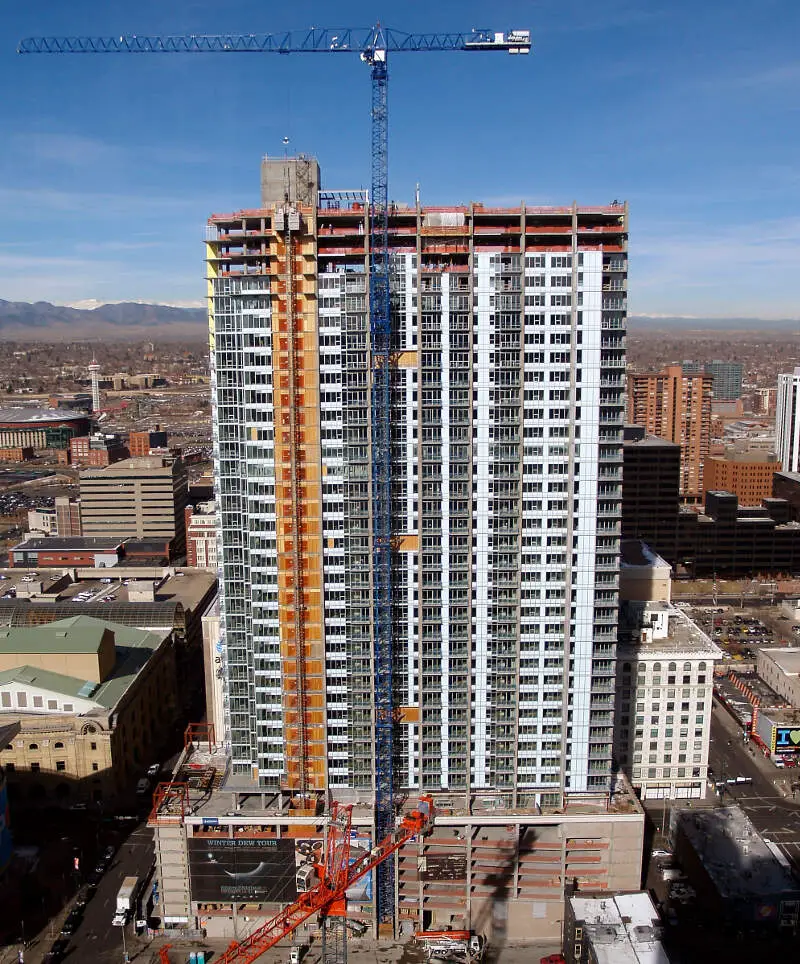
124	948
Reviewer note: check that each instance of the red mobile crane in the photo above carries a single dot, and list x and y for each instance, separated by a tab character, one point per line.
330	880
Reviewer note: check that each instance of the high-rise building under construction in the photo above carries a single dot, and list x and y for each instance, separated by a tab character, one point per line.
507	404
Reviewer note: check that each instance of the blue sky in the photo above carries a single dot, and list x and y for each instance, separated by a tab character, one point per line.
109	165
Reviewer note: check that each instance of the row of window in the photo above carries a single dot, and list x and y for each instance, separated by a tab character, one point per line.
37	702
61	766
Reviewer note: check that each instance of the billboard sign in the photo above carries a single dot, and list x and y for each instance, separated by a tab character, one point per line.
787	737
252	871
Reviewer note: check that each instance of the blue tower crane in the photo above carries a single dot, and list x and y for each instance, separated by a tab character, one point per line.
373	44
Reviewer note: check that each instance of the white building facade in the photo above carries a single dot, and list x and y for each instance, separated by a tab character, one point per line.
665	684
787	422
507	405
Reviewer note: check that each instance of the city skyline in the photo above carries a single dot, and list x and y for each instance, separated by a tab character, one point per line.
685	125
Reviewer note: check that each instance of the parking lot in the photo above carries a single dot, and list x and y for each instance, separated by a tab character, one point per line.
740	632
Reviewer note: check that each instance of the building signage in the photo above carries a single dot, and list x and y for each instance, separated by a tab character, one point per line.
787	737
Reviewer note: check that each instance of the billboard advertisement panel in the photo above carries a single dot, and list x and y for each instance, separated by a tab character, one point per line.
253	871
787	738
225	870
309	851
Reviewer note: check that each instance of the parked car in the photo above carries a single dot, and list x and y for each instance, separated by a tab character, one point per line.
660	853
70	925
57	951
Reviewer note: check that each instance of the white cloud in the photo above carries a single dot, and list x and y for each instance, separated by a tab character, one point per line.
22	202
743	269
76	150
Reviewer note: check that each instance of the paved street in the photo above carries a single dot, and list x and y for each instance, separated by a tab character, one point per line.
96	940
769	800
96	936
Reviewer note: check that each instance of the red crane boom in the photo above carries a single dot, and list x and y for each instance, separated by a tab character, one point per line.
337	876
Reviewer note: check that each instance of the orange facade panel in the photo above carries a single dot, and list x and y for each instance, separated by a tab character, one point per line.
298	508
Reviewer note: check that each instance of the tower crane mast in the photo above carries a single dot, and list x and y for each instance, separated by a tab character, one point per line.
373	45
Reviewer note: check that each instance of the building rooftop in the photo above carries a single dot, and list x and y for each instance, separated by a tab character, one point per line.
650	441
134	647
109	601
47	680
634	552
623	930
787	659
135	465
34	416
684	637
69	543
734	854
78	634
791	476
781	715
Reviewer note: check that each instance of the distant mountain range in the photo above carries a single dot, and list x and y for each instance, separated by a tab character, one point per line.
41	321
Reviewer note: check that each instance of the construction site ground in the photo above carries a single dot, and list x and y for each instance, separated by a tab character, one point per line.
359	951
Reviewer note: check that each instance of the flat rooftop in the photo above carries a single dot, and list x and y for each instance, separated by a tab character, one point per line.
787	658
624	929
684	636
634	553
734	854
99	595
66	543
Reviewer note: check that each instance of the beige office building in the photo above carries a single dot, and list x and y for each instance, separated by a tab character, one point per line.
140	498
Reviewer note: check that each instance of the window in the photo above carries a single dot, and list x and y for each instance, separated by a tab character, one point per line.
68	708
52	704
95	767
9	767
35	767
61	765
93	746
22	698
6	699
37	701
33	746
